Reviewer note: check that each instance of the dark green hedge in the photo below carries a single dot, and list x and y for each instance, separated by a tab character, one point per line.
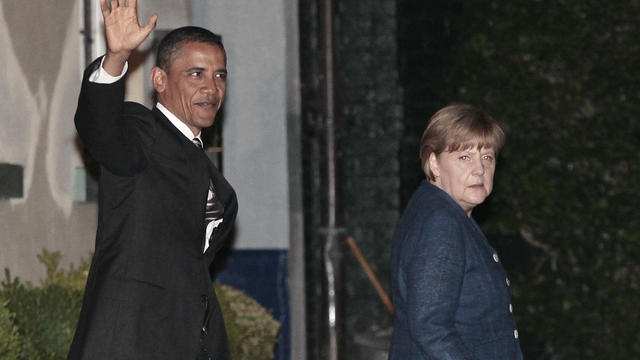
38	322
46	318
9	337
563	77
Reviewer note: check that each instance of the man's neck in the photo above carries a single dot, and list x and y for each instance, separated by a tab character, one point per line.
184	129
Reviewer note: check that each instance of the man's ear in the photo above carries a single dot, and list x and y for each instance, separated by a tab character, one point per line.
433	165
158	79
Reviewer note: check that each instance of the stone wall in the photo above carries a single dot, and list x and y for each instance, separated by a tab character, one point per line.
371	124
368	136
388	58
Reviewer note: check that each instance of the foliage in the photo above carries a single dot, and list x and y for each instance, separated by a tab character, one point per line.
73	278
38	322
252	331
46	318
562	78
46	315
9	338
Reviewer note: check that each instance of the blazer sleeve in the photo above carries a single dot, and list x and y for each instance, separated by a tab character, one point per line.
111	129
434	273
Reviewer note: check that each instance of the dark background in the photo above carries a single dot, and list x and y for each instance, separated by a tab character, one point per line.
562	78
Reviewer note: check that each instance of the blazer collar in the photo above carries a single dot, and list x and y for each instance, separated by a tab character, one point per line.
442	194
182	127
478	234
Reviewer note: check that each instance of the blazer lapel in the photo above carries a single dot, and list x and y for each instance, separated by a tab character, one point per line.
193	196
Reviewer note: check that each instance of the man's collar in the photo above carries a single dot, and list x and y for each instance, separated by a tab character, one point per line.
184	129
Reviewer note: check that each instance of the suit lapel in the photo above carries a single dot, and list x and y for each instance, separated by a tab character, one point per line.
193	196
200	170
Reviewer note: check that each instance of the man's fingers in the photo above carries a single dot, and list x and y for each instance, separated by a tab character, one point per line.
150	25
133	3
104	8
114	4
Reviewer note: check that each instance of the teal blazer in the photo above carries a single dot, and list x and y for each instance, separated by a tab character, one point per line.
449	288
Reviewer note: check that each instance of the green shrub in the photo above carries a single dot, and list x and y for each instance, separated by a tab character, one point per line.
73	278
38	322
252	331
9	338
45	317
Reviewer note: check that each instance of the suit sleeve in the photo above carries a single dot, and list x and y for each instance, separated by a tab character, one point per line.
110	128
434	274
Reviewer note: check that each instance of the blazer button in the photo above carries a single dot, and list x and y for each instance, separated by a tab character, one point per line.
495	257
204	299
515	333
508	282
510	308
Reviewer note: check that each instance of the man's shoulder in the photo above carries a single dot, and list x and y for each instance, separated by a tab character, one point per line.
138	115
142	121
135	108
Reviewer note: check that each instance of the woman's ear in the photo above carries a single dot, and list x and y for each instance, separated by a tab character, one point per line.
158	79
433	165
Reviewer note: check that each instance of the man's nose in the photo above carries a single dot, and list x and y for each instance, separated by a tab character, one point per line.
210	86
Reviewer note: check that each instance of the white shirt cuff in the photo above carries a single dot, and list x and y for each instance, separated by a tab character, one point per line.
101	76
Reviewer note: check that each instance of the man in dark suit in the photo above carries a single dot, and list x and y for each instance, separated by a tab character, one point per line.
164	209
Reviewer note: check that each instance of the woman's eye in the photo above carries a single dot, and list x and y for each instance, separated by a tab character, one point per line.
464	157
489	157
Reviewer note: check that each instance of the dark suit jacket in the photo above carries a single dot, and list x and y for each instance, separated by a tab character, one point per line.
450	292
149	282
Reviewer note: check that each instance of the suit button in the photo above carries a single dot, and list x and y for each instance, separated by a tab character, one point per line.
515	333
508	282
204	299
495	257
510	308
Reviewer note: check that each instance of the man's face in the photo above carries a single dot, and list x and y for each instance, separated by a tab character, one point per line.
194	87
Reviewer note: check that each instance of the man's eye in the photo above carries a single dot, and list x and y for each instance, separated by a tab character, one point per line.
221	75
196	74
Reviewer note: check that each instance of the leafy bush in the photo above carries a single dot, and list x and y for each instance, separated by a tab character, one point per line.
45	316
38	322
9	338
73	278
252	331
561	76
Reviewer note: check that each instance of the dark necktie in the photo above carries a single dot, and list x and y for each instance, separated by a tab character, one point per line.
214	209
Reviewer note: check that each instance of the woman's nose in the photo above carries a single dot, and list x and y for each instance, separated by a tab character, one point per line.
478	167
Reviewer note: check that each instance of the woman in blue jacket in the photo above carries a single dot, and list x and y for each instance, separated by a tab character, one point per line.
449	288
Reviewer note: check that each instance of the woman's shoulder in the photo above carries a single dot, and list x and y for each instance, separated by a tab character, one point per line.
429	200
430	224
429	209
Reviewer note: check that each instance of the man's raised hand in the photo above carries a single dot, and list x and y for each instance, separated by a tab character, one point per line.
123	31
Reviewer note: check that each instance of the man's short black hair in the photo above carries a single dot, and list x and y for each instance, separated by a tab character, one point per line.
172	41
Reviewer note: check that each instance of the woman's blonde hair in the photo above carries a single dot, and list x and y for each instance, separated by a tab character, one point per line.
459	127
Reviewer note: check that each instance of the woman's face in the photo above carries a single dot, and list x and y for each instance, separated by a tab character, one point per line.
466	175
